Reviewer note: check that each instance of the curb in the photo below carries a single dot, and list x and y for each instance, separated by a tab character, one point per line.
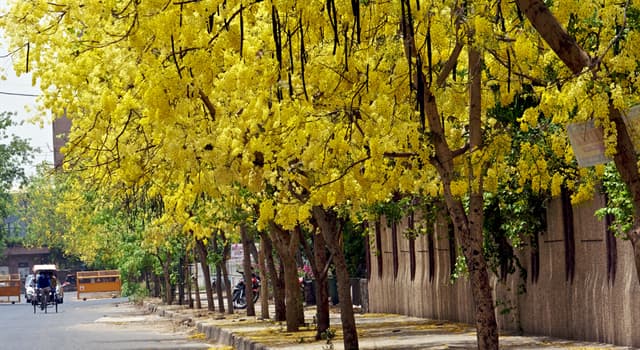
225	337
212	332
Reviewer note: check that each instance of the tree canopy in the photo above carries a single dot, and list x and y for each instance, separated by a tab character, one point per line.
328	103
15	154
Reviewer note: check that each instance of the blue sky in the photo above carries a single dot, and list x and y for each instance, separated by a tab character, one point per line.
15	95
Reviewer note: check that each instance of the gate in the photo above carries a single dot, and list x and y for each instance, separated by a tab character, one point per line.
98	283
10	287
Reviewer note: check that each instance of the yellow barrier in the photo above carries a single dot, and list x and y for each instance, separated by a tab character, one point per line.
10	287
106	281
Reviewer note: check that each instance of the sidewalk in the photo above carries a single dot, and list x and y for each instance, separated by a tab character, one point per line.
375	331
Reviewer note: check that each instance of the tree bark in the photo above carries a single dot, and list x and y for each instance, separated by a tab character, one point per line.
286	244
166	272
202	253
187	273
147	282
280	296
219	288
181	281
247	242
264	287
227	288
196	283
320	267
470	230
219	282
573	56
157	285
322	285
331	228
276	276
473	244
225	273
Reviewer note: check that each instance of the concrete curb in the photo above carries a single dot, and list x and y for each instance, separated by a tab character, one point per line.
384	331
213	332
225	337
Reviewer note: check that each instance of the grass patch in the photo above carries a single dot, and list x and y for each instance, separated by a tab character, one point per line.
275	335
198	336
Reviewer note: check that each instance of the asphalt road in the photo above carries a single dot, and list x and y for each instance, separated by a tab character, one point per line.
92	324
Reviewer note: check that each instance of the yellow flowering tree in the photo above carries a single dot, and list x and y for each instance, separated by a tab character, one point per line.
315	107
593	51
168	95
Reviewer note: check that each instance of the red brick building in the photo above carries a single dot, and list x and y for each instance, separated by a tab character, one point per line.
20	260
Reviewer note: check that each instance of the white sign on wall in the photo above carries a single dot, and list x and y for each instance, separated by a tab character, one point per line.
587	142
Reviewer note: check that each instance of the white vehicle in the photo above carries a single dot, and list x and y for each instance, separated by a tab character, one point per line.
29	288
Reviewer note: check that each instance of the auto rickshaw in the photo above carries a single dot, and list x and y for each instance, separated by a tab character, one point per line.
47	290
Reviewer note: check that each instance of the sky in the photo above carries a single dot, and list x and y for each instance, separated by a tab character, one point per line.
15	94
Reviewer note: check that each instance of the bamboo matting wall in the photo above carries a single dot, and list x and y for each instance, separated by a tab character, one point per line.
581	284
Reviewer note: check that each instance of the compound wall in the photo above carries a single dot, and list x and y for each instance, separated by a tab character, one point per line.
581	282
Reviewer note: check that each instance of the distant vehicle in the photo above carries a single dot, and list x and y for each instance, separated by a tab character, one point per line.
48	291
29	288
240	293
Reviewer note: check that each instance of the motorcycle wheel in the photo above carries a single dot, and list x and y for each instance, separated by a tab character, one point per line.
239	300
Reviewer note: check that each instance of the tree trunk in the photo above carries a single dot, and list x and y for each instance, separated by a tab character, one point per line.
219	275
320	266
286	244
202	253
322	305
225	273
147	282
472	246
264	287
247	242
196	284
470	232
626	163
166	274
188	281
331	228
157	285
227	288
276	276
279	294
572	54
219	288
181	281
468	227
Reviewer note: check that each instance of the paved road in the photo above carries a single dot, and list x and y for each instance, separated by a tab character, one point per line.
93	324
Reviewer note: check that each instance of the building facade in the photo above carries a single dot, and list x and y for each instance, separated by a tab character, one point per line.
20	260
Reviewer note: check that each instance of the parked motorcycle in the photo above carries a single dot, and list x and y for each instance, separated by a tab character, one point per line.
239	291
